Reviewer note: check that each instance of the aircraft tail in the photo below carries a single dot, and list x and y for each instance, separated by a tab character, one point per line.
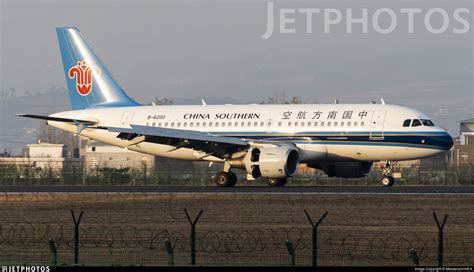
88	81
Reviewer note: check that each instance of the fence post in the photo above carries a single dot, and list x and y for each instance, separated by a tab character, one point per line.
314	244
84	174
170	251
291	253
144	173
415	259
193	234
54	250
76	235
440	237
74	175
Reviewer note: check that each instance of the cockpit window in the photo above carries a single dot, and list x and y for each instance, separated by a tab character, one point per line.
427	123
407	122
416	123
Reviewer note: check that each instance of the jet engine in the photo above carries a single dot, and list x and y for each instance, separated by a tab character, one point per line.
344	169
271	162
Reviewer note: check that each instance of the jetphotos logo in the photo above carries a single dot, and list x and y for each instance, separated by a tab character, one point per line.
83	74
432	20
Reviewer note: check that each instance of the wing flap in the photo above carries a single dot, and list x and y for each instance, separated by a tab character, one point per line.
218	146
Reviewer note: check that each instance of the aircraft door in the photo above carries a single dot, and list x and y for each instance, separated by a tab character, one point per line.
126	118
377	125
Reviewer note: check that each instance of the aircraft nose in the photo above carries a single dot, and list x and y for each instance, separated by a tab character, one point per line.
449	141
446	141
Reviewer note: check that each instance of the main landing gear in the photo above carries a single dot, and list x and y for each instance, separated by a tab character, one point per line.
274	182
226	179
387	179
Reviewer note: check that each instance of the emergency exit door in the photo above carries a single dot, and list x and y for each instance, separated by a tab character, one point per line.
126	118
377	124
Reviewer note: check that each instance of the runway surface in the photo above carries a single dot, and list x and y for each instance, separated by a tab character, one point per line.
362	190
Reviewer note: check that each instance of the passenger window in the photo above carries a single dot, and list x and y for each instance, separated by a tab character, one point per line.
279	124
179	124
262	124
355	124
289	124
255	124
154	124
362	123
172	124
191	124
348	124
147	124
249	124
309	124
302	124
236	124
416	123
335	124
166	124
322	124
185	124
342	124
210	124
407	122
269	124
329	124
204	124
296	124
159	124
197	124
315	124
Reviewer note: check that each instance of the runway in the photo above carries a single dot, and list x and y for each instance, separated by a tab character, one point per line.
349	190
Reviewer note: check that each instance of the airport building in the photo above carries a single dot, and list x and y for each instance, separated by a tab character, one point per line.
96	154
40	155
462	152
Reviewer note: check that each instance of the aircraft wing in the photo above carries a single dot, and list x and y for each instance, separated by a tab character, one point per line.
217	146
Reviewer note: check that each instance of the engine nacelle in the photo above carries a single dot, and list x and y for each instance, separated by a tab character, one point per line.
271	162
344	169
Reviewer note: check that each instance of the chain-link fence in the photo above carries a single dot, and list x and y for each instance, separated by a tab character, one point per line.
131	245
203	175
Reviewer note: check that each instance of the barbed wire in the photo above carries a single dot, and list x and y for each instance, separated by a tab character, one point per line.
388	246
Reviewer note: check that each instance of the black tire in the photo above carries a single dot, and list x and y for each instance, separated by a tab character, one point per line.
276	182
232	178
225	179
388	181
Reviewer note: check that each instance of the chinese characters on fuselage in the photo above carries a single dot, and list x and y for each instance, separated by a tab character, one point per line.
319	115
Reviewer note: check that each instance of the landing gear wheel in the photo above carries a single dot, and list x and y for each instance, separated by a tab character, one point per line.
276	182
226	179
388	181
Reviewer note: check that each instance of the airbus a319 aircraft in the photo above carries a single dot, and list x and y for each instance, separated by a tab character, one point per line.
267	141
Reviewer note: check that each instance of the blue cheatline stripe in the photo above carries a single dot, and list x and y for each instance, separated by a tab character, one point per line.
375	144
338	133
434	140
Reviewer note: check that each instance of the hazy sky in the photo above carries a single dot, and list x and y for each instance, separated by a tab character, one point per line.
181	49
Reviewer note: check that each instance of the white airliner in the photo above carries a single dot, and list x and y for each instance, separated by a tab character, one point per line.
267	141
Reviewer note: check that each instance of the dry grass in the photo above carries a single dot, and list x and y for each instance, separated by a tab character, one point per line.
359	229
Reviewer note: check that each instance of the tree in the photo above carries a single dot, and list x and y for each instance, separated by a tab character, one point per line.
52	135
163	101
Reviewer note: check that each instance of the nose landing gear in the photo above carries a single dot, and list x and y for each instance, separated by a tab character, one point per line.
387	179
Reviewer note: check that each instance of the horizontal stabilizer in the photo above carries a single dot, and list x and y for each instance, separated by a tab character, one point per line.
58	119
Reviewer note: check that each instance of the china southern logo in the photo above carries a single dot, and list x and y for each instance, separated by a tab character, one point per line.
83	74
